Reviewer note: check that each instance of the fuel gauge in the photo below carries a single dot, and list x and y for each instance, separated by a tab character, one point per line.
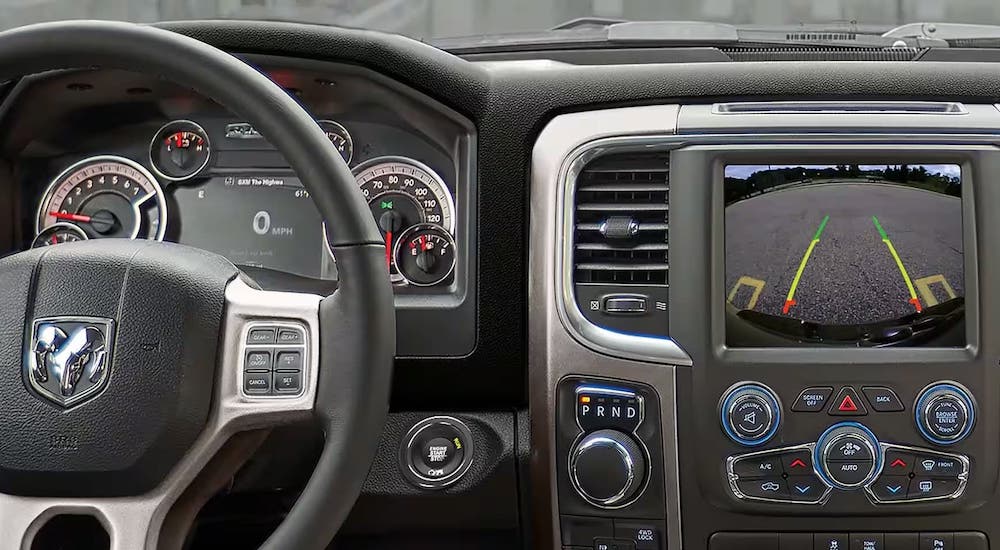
425	254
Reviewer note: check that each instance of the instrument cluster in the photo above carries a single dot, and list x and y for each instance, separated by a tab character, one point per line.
258	217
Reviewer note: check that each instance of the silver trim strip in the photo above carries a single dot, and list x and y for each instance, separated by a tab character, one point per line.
561	152
135	522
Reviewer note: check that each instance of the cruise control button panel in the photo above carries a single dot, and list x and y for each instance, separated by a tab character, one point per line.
274	359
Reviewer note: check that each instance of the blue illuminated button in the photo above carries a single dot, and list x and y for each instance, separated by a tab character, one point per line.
945	413
848	455
805	488
889	488
750	414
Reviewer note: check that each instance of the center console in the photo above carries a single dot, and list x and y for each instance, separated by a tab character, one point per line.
794	297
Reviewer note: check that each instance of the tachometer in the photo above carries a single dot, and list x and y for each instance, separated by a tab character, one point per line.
401	193
105	196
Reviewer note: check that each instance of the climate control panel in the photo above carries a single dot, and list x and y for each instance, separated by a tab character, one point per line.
847	454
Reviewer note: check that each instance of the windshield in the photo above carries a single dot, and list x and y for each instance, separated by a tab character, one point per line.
433	19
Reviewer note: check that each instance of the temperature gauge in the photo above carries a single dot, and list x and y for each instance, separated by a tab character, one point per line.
425	254
58	233
179	150
339	137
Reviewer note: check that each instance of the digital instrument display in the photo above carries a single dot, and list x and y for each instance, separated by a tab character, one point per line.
265	221
844	255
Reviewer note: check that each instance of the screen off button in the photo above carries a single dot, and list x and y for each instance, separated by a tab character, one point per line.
812	399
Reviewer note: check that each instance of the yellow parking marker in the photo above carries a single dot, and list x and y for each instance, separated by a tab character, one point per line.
790	298
899	263
756	284
924	286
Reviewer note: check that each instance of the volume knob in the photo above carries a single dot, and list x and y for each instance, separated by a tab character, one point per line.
608	468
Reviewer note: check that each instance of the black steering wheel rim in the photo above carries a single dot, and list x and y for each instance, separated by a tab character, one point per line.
358	325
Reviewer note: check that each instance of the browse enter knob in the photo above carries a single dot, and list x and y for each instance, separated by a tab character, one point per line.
608	468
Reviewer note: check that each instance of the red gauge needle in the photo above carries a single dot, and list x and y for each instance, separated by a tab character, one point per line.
388	249
423	243
54	240
71	217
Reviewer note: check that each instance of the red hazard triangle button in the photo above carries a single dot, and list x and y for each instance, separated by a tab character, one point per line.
847	403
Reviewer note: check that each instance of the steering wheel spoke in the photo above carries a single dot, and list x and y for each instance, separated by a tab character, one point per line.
269	357
282	326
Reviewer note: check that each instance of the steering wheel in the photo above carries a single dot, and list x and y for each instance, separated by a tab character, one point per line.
124	365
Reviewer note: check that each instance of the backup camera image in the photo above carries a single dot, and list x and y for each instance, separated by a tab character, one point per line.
846	254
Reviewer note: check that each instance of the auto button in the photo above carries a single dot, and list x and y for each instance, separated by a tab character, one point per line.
847	455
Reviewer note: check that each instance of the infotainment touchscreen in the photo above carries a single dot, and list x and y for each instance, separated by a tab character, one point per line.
848	255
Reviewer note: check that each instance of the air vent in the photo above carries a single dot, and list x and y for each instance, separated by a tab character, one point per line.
621	227
806	53
622	222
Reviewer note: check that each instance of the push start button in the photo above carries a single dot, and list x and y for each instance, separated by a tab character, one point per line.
436	452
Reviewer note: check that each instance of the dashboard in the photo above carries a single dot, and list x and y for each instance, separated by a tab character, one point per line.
706	305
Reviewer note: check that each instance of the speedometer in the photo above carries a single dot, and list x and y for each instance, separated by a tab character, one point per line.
401	193
105	196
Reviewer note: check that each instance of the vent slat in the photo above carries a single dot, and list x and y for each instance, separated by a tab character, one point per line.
624	247
630	187
622	267
621	207
622	221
